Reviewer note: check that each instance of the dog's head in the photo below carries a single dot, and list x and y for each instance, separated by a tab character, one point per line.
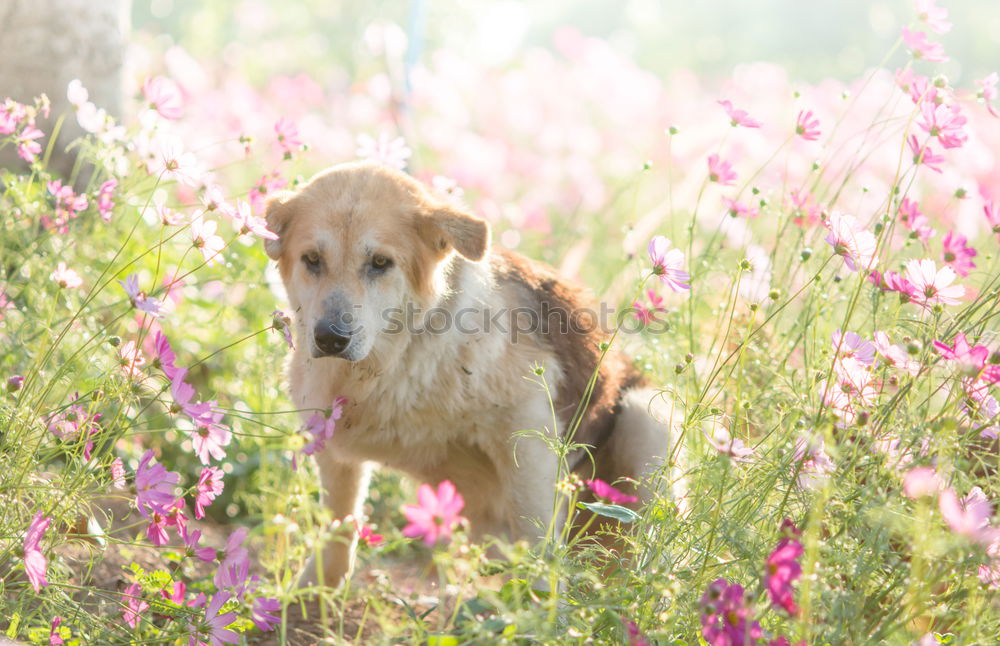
358	242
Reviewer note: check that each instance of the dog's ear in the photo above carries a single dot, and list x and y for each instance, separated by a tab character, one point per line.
278	214
467	234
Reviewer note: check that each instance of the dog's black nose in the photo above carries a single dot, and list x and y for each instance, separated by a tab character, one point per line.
329	340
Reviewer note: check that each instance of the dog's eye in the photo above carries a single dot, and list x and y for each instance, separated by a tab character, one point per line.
380	262
312	261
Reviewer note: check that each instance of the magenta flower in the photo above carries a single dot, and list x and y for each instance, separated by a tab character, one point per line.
738	209
368	535
35	564
134	605
807	126
191	539
851	241
935	17
165	356
920	482
914	220
204	239
933	285
635	636
946	122
66	277
924	154
214	627
957	254
893	282
384	150
321	426
783	569
210	485
288	137
11	115
105	199
164	96
27	148
247	223
738	117
283	323
970	359
261	613
734	447
726	619
139	298
920	47
201	413
232	560
603	490
67	206
647	314
435	515
968	516
55	636
720	171
667	264
154	486
988	91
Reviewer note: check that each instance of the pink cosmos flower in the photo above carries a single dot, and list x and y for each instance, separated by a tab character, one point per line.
205	240
183	394
288	137
321	426
635	636
232	560
11	115
783	569
210	485
957	255
816	465
66	277
27	148
855	379
55	636
436	515
893	282
139	298
214	627
722	442
154	486
851	241
667	264
247	223
726	617
35	564
920	482
131	360
384	150
262	613
165	356
156	529
164	96
946	122
191	539
738	117
105	199
924	154
933	285
118	473
738	209
647	314
992	213
935	17
852	345
807	211
368	535
970	359
283	323
67	206
989	573
134	605
265	186
914	220
210	438
982	408
170	161
988	92
895	355
720	171
447	188
807	126
214	199
968	516
603	490
920	47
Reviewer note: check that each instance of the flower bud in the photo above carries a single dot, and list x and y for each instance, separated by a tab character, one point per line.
14	383
806	254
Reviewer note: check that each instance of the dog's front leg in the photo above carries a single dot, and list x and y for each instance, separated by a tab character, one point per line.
344	486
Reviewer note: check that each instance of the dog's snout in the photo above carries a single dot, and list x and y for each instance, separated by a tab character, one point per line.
331	339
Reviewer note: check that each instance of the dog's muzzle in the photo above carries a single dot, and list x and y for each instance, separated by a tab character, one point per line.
330	339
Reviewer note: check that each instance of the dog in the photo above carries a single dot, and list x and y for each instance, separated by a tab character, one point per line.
438	400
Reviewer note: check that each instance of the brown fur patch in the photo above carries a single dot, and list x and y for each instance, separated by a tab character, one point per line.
577	348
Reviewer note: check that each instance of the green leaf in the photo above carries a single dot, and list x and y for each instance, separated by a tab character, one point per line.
442	640
15	622
619	513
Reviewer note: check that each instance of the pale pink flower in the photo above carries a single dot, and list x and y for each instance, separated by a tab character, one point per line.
183	394
384	150
134	605
946	122
204	238
66	277
851	241
924	154
920	482
118	473
210	438
647	314
603	490
989	573
247	223
447	188
957	254
27	148
35	565
131	360
214	199
288	137
210	485
170	161
76	93
935	17
105	199
11	115
968	516
738	209
992	213
722	442
807	126
263	611
816	464
855	379
895	355
914	220
738	117
920	47
720	170
265	186
435	515
67	206
852	345
164	96
214	627
933	285
321	426
283	323
988	91
667	264
139	298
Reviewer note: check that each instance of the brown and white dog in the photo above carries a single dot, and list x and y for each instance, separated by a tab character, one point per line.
440	389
